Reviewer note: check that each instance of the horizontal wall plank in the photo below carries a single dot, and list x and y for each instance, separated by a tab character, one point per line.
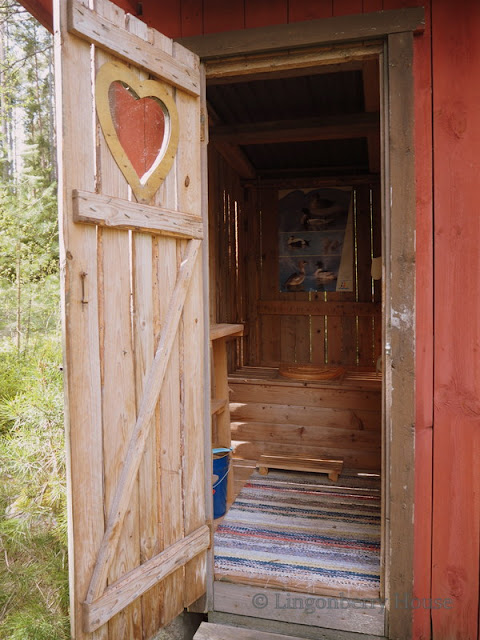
346	615
307	416
312	396
92	208
87	24
302	435
318	308
352	458
303	34
123	592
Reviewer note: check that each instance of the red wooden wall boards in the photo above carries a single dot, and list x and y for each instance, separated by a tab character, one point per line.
424	329
456	440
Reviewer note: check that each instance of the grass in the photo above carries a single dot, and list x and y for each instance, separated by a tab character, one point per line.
33	528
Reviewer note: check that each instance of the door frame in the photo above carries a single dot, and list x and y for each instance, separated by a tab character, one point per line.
227	53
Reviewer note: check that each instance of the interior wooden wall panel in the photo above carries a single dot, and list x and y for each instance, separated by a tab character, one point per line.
271	326
251	240
377	251
364	280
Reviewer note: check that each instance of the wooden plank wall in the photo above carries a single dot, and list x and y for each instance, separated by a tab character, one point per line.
344	339
181	18
228	249
456	445
244	271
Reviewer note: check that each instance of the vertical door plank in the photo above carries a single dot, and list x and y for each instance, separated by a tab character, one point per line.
119	402
168	412
78	255
144	346
170	433
189	200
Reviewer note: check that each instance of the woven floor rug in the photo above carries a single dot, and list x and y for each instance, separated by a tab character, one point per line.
302	532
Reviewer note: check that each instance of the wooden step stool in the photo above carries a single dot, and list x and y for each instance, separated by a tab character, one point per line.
300	463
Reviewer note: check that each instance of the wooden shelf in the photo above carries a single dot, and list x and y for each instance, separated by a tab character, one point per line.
225	330
217	405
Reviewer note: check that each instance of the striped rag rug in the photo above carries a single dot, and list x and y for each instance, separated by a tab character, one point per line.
304	533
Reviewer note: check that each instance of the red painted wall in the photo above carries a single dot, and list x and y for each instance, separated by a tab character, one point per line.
456	440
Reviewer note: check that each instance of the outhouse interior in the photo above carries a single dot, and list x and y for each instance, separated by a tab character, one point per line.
295	246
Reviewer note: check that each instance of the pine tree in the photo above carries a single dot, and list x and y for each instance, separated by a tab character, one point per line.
28	226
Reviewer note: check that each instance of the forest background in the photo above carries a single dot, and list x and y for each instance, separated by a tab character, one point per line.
33	529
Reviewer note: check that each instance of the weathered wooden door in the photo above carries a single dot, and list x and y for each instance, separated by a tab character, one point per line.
129	129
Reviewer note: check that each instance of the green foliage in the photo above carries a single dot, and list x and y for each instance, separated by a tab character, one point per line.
33	527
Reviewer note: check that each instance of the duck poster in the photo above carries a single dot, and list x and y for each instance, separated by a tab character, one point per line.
315	240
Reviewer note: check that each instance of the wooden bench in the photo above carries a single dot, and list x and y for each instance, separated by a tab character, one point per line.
300	463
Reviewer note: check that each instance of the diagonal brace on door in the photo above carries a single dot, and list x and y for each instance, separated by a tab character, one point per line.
153	386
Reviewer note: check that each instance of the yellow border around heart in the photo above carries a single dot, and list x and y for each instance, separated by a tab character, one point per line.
116	71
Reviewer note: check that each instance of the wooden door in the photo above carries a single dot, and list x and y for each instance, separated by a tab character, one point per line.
129	129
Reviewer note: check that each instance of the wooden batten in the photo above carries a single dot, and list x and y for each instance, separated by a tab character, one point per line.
135	583
116	213
85	23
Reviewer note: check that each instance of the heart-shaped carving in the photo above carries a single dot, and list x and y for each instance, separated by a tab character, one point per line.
140	123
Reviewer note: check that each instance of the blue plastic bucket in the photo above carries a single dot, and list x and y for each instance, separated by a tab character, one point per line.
221	465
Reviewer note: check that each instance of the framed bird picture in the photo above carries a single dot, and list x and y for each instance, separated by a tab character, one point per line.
315	240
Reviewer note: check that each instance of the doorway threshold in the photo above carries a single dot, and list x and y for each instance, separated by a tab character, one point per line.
263	606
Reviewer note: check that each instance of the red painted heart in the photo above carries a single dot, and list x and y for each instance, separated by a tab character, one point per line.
139	124
139	120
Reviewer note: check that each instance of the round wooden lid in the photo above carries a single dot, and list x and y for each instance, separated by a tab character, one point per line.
311	372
